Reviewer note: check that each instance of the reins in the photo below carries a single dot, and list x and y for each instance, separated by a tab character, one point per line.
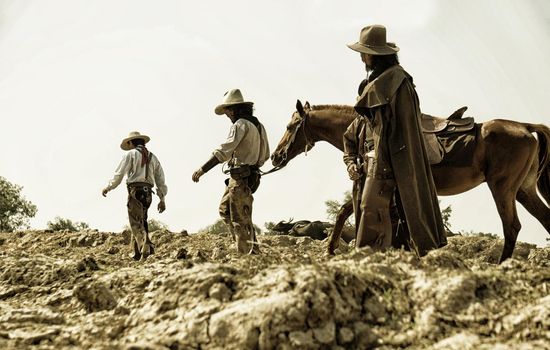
309	145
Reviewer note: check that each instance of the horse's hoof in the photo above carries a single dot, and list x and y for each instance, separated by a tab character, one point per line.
146	251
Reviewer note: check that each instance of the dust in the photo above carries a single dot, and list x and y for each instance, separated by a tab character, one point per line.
65	290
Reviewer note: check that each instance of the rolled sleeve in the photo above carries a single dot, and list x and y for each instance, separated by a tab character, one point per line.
162	189
120	171
226	149
350	144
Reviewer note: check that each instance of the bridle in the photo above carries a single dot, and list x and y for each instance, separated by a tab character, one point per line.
309	143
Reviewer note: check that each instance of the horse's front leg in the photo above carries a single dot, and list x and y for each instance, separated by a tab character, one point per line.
343	214
505	200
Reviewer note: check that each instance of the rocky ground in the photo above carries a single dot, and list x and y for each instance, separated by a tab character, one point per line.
82	291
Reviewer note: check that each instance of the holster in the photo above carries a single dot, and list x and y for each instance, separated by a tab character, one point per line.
239	172
250	173
143	186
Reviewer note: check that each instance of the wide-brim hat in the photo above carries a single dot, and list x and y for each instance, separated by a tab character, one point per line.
372	40
231	98
126	145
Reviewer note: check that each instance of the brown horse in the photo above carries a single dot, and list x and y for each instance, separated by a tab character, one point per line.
507	156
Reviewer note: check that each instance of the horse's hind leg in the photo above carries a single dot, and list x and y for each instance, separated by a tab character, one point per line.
528	197
509	161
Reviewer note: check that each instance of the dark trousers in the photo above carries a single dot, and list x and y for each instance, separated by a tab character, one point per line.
139	201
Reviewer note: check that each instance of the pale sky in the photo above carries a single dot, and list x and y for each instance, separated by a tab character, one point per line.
76	76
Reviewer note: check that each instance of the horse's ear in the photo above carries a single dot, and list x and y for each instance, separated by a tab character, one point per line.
299	107
307	106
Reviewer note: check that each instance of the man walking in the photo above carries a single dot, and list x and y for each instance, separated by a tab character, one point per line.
143	171
245	151
394	166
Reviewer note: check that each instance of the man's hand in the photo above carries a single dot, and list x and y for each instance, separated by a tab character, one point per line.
104	192
353	173
161	206
197	174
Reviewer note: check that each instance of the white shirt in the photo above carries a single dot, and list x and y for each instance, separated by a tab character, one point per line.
244	145
130	165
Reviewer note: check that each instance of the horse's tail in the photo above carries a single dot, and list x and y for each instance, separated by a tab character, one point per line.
543	175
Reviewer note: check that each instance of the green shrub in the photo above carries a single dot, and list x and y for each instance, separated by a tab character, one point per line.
60	224
153	224
220	227
15	210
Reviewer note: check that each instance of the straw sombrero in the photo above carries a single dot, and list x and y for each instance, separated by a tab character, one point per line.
126	145
231	98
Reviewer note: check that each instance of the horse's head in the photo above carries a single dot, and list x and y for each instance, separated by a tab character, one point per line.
295	140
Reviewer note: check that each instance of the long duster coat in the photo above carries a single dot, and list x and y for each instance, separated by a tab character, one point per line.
391	106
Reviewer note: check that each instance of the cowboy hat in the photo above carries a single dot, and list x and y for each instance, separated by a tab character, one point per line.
126	145
372	40
231	98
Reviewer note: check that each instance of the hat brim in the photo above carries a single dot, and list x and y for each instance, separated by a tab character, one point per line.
220	109
374	50
126	145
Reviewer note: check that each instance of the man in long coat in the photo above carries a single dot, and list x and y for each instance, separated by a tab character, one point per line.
396	168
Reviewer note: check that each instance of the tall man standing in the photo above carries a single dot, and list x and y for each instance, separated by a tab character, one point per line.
397	168
245	151
143	171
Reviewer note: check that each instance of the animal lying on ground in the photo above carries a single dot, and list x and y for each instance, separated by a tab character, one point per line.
314	229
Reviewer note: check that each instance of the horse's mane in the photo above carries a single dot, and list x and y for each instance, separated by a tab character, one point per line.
341	108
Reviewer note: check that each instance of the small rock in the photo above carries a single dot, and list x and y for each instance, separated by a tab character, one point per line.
220	292
121	310
181	254
376	312
8	292
199	257
24	316
144	346
366	339
301	339
87	264
325	334
59	297
184	232
345	335
113	249
115	330
218	253
36	338
460	341
95	296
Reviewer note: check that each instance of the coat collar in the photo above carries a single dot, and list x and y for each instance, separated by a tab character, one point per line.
380	91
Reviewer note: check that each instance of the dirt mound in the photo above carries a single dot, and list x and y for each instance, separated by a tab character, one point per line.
82	290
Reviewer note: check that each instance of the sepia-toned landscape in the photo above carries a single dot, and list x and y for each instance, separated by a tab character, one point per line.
64	290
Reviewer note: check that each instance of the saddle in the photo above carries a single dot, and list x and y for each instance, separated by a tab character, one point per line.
454	123
432	127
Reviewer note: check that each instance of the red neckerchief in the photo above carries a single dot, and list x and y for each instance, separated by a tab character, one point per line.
144	155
